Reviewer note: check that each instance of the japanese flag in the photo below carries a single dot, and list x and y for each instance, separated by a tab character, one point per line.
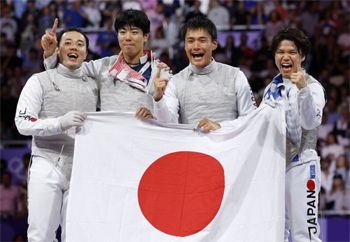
137	180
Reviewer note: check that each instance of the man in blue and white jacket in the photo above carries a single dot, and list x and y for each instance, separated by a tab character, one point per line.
304	99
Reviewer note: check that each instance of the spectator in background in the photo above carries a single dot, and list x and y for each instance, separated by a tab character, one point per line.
232	53
332	114
323	130
273	25
341	167
46	20
219	15
309	19
12	60
93	14
109	9
74	16
337	196
32	63
344	40
344	91
282	12
105	38
242	16
170	31
326	174
31	9
4	45
332	148
159	44
54	9
28	37
342	128
243	46
291	19
257	14
15	80
8	24
156	17
196	11
10	203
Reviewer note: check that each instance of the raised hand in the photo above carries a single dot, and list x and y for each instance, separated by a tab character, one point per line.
298	78
49	40
143	113
159	86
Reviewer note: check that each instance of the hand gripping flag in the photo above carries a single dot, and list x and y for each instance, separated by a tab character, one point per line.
134	180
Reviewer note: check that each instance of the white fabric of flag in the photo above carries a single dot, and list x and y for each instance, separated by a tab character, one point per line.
136	180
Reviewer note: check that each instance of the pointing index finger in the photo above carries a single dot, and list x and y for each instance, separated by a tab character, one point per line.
55	26
158	73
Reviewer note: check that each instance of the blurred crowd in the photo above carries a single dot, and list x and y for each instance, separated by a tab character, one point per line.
326	23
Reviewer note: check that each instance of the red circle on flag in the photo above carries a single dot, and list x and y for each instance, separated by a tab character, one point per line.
181	192
311	185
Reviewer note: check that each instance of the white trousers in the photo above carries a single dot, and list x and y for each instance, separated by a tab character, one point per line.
303	183
47	201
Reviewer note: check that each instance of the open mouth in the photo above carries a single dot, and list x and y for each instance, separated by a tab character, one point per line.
197	56
72	55
287	67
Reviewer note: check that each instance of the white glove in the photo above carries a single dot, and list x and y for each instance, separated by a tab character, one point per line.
70	119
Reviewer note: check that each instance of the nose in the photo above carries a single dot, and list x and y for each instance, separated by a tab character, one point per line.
73	46
128	35
196	45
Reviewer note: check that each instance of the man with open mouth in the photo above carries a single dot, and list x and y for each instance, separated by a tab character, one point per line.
207	93
51	105
304	99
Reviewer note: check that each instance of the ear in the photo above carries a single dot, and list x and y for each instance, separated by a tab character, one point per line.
302	59
215	44
57	51
86	55
145	37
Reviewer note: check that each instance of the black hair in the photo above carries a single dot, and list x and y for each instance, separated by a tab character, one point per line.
72	29
132	17
299	38
200	22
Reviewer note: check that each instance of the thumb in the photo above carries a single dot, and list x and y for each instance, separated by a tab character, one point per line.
299	69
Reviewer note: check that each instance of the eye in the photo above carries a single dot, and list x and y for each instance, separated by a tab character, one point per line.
67	43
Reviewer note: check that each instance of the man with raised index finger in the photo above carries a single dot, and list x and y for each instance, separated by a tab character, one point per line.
207	94
304	99
51	105
125	80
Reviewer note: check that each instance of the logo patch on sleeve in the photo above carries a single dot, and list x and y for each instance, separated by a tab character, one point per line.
312	172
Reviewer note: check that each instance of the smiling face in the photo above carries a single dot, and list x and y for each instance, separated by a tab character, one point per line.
286	57
199	47
131	41
72	50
